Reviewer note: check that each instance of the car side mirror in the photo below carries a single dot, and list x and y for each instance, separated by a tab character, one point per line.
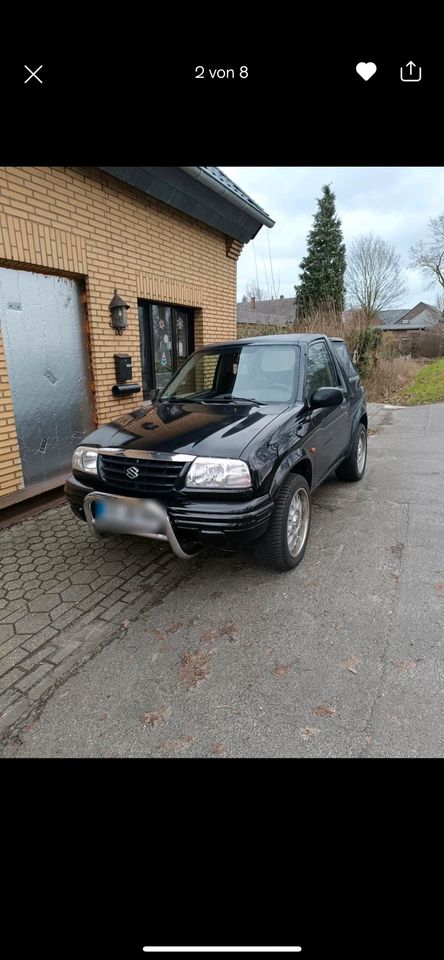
154	394
327	397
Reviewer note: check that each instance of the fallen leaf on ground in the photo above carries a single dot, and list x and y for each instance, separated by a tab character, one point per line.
208	635
281	671
324	711
159	634
173	745
270	651
405	664
173	627
194	668
369	738
219	749
307	732
440	588
227	628
351	664
397	550
103	716
155	717
125	623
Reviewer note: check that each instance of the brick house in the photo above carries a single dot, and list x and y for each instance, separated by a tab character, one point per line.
280	312
166	238
420	317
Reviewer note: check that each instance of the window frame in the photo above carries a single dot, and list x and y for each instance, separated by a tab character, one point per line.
146	340
347	375
335	370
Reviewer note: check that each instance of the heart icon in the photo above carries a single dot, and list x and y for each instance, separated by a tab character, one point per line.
366	70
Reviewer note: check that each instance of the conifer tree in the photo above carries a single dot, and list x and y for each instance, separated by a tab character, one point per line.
322	269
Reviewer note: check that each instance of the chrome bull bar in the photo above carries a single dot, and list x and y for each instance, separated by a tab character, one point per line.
169	535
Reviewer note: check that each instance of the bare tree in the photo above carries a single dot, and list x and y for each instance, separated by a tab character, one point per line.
428	255
275	284
254	291
439	302
267	290
374	275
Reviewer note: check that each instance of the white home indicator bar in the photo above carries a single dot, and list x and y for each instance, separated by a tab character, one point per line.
222	949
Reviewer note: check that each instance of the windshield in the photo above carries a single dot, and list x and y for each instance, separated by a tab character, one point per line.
262	373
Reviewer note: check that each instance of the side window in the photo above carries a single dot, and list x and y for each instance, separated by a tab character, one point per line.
344	356
320	369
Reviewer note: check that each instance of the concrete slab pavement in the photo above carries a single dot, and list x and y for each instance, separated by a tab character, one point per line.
340	658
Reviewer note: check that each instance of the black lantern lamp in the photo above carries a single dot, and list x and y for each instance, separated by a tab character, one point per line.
117	310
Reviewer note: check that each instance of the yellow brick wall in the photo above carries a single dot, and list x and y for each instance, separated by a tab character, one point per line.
10	470
82	222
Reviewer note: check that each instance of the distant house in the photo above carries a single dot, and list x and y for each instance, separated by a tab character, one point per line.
274	313
421	317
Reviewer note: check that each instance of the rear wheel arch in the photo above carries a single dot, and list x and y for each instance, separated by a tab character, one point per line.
353	467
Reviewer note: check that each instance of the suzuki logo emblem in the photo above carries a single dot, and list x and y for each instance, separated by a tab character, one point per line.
132	472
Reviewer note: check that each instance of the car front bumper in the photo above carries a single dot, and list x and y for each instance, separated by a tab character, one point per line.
210	523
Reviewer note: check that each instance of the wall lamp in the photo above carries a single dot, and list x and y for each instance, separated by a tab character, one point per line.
117	309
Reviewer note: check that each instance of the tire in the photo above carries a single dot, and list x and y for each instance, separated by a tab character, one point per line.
353	468
282	547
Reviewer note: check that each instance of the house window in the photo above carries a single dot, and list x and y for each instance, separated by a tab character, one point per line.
166	340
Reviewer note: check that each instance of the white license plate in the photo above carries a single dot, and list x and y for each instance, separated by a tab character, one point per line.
142	517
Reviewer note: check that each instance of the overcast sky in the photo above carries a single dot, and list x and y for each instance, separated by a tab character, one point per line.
394	202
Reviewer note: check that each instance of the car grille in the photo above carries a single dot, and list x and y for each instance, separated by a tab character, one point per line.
155	476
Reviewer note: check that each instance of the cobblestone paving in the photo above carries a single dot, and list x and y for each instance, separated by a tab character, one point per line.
62	592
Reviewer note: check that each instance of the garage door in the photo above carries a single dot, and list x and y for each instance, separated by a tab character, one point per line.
48	368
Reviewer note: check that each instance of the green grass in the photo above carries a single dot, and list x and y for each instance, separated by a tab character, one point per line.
427	387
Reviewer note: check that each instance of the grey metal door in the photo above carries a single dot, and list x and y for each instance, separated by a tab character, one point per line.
48	368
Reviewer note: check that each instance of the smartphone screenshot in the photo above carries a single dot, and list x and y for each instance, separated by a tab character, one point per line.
221	486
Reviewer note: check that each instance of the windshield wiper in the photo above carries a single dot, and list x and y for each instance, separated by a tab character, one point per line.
228	397
182	399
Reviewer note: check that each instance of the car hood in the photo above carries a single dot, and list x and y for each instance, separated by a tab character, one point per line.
216	430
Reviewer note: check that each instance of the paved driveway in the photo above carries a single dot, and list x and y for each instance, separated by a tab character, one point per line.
340	658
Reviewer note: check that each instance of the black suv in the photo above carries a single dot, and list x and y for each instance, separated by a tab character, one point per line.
230	451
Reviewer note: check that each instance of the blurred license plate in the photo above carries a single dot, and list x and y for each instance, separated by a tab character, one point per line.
114	516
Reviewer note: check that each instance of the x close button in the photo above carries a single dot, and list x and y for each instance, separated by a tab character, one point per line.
33	73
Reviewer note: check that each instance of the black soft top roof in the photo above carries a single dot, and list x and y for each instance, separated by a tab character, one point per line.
273	339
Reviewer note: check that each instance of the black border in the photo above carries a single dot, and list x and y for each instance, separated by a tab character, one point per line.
303	102
103	857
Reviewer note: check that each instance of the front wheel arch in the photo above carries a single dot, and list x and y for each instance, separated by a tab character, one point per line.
289	467
276	548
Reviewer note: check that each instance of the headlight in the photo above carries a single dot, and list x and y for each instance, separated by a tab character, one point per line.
215	473
85	460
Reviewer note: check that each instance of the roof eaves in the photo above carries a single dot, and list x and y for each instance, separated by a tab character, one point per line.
219	183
